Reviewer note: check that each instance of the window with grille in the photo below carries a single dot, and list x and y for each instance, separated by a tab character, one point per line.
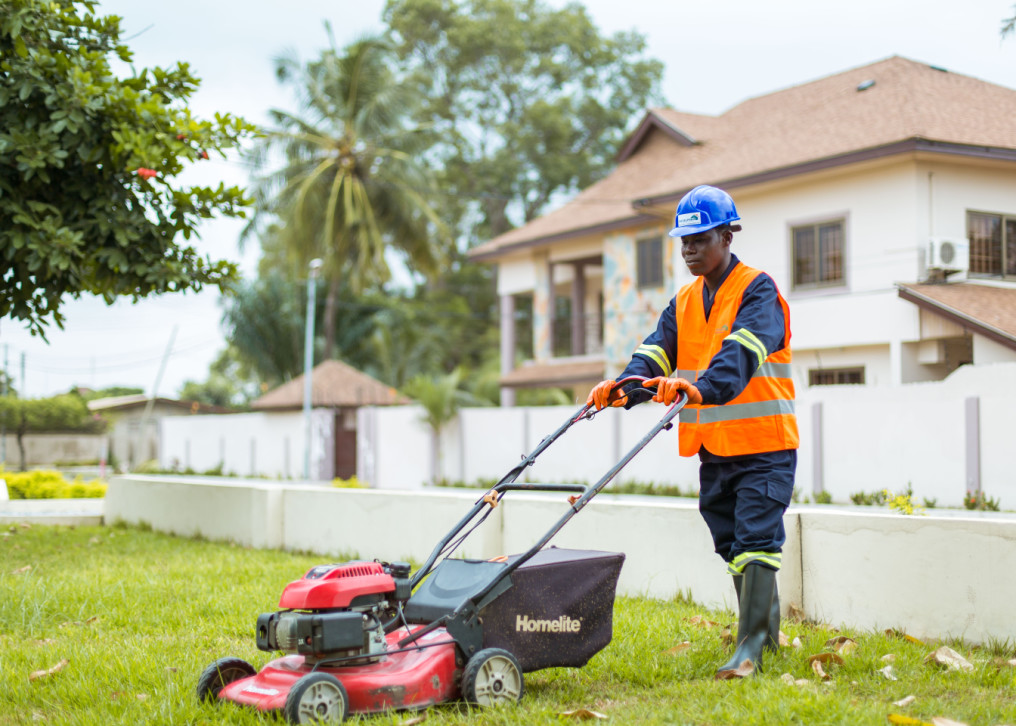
649	261
992	243
818	252
835	376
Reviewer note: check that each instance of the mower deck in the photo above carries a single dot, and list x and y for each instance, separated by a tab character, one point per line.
418	676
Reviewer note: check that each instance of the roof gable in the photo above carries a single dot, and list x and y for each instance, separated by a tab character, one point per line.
890	107
333	384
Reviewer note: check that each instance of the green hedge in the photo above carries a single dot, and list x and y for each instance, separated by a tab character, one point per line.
48	484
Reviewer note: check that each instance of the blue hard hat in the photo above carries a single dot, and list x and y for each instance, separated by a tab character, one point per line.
701	209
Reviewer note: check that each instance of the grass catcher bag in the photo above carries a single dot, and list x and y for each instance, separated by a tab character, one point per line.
559	610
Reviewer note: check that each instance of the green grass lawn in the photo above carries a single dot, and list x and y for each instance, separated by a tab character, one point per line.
138	615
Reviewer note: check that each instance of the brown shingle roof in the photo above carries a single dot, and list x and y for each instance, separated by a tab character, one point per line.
557	373
986	309
817	121
333	383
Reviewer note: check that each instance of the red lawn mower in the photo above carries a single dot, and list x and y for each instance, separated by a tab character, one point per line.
366	637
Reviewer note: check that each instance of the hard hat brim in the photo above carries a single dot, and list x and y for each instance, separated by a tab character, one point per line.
696	228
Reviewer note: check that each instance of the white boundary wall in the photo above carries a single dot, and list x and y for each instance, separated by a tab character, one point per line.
865	439
932	576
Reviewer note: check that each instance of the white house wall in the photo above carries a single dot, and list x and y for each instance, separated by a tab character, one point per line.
988	351
249	444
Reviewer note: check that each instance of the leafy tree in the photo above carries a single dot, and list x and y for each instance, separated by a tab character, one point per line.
66	412
229	383
110	392
351	188
441	398
524	102
88	202
1009	24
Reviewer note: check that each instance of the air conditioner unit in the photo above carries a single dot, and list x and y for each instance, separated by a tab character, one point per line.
950	254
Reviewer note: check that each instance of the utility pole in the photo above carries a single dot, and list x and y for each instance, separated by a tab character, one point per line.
314	268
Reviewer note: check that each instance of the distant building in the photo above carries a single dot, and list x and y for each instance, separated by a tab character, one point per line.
134	424
881	199
271	441
341	389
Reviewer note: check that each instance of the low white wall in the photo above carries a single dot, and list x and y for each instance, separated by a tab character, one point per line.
933	576
47	449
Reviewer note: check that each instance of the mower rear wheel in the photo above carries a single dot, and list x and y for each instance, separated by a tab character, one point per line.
317	698
492	677
220	674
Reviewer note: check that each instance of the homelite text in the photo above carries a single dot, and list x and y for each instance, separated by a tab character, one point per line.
563	624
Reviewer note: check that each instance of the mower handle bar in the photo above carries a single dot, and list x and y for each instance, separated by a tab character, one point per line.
506	483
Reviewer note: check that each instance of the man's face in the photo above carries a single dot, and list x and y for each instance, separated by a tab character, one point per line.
707	252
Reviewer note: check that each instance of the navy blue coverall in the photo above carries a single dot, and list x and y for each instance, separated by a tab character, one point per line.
741	498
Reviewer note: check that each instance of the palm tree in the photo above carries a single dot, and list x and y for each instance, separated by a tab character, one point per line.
441	398
350	186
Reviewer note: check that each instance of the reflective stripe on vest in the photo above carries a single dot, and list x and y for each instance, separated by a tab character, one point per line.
766	370
735	411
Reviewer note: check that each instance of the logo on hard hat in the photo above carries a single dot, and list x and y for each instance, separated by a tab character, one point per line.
686	220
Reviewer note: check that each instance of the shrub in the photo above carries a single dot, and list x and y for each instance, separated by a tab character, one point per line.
350	483
48	484
980	501
823	498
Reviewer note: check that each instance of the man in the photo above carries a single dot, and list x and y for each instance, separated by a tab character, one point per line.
724	340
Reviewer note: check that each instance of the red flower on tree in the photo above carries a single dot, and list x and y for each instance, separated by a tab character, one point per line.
147	173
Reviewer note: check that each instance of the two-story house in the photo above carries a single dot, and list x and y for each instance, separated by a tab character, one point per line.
882	200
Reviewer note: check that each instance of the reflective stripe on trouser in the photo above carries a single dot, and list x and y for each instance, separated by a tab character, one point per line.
742	500
772	560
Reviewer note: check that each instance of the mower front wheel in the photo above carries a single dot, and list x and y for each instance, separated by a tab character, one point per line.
492	677
317	698
220	674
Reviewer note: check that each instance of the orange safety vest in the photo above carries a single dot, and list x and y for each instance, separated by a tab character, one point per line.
761	418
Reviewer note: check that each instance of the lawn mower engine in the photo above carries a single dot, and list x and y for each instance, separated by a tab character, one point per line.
336	611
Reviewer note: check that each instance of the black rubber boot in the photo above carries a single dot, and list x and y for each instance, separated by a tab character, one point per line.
757	592
772	643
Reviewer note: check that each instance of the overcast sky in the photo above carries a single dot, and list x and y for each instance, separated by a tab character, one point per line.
717	53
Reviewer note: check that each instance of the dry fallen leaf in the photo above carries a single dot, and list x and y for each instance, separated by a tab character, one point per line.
796	643
887	672
905	701
702	622
413	721
787	678
21	570
826	658
72	623
742	671
900	634
584	714
948	658
802	682
784	640
726	636
44	641
943	721
900	720
841	644
679	648
43	674
816	665
889	658
142	696
794	613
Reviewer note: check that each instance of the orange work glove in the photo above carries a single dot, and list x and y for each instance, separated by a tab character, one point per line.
667	390
604	393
